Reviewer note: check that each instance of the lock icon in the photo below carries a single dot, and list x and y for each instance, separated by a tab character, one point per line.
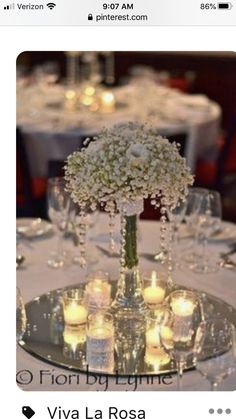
90	16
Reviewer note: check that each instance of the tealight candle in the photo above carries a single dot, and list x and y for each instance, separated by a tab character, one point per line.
107	102
181	306
74	311
75	314
98	291
100	342
154	293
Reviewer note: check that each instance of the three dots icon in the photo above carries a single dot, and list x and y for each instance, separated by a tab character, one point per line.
220	411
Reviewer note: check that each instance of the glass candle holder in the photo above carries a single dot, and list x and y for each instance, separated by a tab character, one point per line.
155	354
100	342
75	313
183	304
74	341
98	291
155	288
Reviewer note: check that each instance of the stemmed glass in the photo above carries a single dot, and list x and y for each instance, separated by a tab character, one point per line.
209	221
191	218
216	358
59	206
185	322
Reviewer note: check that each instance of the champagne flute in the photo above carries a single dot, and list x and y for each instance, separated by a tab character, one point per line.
216	358
185	323
209	221
59	205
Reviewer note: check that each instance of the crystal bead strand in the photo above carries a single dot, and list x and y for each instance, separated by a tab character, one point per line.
82	239
163	231
169	235
112	229
165	242
122	243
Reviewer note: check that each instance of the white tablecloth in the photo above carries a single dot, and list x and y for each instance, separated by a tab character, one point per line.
37	278
52	133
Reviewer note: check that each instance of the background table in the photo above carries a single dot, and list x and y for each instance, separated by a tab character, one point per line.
52	133
37	278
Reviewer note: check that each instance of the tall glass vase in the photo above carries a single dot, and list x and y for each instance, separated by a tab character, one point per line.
128	308
129	296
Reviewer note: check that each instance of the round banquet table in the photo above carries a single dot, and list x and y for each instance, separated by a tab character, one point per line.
51	132
37	278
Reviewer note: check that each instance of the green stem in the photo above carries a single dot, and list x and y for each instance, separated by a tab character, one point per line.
131	257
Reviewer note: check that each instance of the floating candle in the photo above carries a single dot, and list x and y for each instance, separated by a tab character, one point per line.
154	294
181	306
75	314
73	307
97	294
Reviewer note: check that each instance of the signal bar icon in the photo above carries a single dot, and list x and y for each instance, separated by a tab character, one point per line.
51	5
9	7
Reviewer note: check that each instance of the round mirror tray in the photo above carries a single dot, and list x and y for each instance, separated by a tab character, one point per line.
49	339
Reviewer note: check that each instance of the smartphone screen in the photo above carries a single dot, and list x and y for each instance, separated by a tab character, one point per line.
119	207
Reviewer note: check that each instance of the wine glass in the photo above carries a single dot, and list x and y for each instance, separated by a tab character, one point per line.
193	206
185	323
20	316
59	206
209	222
216	358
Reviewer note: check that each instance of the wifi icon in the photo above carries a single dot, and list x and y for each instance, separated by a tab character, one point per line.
51	5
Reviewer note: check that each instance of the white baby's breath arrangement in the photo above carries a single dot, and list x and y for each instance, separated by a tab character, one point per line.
125	163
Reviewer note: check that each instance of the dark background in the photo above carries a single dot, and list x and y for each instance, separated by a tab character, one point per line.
215	73
210	73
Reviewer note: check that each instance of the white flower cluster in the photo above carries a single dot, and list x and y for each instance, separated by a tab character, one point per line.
127	162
